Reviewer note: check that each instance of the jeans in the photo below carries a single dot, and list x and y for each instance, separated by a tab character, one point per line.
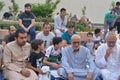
31	32
109	24
1	75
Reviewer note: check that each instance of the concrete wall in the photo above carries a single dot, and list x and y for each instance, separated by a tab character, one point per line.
95	8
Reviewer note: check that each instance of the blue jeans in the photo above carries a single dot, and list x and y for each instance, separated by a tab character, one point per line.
31	32
109	24
1	75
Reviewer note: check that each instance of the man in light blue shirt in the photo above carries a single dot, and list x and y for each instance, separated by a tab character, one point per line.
77	62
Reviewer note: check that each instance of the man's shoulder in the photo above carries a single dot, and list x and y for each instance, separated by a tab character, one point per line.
65	33
83	48
52	34
103	46
49	48
32	14
11	44
39	35
27	44
68	48
57	17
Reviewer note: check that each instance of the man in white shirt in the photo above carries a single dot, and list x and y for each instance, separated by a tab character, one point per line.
46	35
60	22
108	58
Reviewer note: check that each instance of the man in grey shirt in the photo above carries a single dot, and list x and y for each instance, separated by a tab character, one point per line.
77	62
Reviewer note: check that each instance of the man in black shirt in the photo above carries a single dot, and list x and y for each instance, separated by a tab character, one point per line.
7	15
26	21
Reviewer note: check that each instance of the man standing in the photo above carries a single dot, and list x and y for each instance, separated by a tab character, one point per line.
26	21
108	58
46	35
110	18
117	22
75	59
15	58
60	22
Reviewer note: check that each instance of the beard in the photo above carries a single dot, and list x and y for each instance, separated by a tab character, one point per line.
21	43
27	12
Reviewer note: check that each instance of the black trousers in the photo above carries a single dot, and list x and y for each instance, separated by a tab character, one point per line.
117	24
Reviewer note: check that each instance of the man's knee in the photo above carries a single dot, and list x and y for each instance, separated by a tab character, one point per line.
32	31
62	73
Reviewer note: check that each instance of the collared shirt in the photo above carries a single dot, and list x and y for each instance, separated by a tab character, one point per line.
59	23
66	36
112	65
77	61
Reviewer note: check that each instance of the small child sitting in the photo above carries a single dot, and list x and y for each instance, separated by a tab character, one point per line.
53	54
36	59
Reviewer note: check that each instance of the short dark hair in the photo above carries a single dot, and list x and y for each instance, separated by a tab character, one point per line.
56	40
11	38
70	24
62	9
111	28
27	5
10	27
97	31
19	31
89	33
35	43
112	12
117	3
45	23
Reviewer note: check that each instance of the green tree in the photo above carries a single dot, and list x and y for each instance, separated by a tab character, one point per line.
46	9
1	5
14	7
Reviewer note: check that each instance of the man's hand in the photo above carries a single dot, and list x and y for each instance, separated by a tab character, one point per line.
41	72
56	65
70	76
62	30
118	77
25	72
89	76
108	52
118	16
26	29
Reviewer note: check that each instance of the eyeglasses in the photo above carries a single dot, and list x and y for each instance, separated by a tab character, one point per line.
70	27
111	42
76	42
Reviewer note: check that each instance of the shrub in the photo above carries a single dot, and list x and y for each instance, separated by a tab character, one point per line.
79	26
44	10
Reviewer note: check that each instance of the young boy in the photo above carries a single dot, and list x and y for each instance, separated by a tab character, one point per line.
36	57
89	43
53	54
